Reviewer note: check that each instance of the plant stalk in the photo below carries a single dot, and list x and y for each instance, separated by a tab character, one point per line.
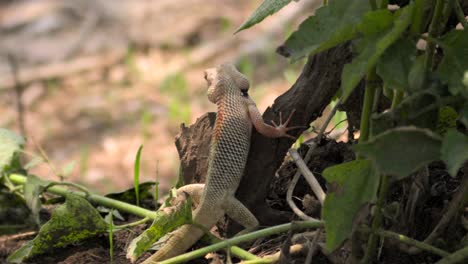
416	26
433	28
243	238
397	97
456	257
376	221
371	84
102	200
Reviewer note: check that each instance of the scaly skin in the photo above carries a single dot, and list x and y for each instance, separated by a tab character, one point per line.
227	88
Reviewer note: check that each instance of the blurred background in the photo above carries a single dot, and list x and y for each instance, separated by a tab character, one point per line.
89	81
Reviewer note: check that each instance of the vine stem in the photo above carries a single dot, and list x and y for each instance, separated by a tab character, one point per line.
371	84
243	238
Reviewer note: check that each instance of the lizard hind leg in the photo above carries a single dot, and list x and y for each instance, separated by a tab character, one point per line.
241	214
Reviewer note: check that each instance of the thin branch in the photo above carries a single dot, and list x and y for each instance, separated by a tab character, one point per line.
291	203
327	121
308	175
317	190
313	247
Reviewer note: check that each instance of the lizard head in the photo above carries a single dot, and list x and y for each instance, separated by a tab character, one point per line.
225	79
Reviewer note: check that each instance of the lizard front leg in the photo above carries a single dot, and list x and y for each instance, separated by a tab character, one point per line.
274	131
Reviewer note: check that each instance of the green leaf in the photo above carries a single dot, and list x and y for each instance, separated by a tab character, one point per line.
331	25
136	175
70	223
401	151
33	188
267	8
374	47
11	144
375	22
455	62
351	186
395	63
454	150
165	222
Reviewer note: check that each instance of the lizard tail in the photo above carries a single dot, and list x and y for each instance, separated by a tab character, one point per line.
179	242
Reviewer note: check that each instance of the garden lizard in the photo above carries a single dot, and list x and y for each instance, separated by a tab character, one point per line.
237	112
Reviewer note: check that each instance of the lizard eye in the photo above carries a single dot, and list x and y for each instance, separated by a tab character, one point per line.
245	93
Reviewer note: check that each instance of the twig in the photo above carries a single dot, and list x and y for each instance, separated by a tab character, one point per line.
46	159
327	121
313	247
312	146
19	88
284	254
292	185
308	175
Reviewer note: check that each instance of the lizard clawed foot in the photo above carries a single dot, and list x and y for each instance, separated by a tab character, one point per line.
283	128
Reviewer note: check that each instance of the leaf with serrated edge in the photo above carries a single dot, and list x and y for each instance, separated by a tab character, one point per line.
401	151
163	224
455	62
375	46
72	222
351	186
331	25
267	8
10	144
454	150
